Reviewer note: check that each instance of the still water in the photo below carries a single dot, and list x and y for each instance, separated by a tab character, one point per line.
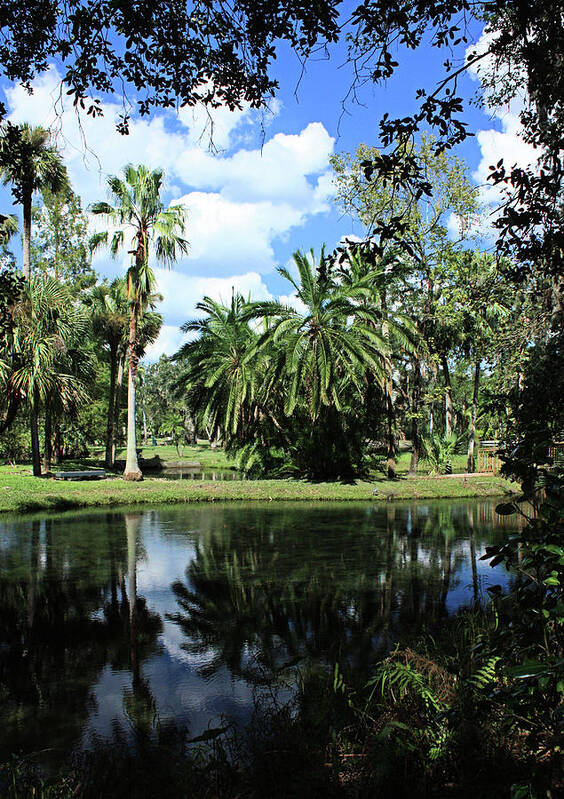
180	615
196	473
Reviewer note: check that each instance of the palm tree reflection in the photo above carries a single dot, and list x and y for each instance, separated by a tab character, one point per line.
64	617
139	703
257	598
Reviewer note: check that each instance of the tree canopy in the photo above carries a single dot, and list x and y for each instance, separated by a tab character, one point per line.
160	54
176	53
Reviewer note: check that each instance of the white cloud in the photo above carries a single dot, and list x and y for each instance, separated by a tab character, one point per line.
228	236
240	203
504	140
170	339
181	294
278	171
92	148
507	143
294	302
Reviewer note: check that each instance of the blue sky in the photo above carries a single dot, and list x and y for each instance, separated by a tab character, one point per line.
268	189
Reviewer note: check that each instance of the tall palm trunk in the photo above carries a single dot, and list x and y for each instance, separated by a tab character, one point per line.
415	401
48	445
35	452
448	396
34	431
108	460
14	402
26	239
57	446
390	411
390	436
132	470
472	437
117	405
145	433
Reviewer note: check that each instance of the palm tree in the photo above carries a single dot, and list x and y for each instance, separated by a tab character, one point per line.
8	227
47	327
224	381
109	320
329	345
139	221
75	360
30	163
362	266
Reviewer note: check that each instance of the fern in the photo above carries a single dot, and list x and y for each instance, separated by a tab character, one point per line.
438	452
486	675
406	680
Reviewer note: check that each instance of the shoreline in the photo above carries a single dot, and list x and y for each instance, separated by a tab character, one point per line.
21	493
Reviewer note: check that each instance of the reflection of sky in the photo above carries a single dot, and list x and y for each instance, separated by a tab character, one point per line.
167	545
181	696
181	693
462	590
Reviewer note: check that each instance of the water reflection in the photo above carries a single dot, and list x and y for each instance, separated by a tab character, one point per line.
195	473
259	598
176	615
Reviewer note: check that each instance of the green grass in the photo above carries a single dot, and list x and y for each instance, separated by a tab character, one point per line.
404	458
217	459
202	453
20	492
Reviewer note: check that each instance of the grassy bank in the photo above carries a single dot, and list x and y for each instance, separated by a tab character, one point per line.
201	453
216	458
20	492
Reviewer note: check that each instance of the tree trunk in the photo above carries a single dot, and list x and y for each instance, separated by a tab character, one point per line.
11	413
26	239
390	437
34	430
132	470
448	396
57	445
117	406
48	447
193	432
108	460
35	454
557	314
475	583
132	522
415	436
472	437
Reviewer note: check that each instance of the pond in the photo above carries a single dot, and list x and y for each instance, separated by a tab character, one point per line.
181	614
197	473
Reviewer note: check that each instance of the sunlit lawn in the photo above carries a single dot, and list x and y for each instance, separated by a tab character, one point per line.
216	457
202	453
20	492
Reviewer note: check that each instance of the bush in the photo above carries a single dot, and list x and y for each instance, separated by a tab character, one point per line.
15	442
